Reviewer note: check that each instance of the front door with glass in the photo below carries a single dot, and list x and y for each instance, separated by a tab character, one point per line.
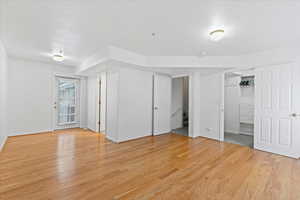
66	103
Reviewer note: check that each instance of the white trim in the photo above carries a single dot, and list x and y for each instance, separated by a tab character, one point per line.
245	133
233	132
275	151
68	123
208	137
3	143
67	76
111	139
67	127
180	76
161	133
31	132
162	74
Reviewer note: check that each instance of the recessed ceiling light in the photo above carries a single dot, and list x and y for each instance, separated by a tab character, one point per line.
217	35
59	57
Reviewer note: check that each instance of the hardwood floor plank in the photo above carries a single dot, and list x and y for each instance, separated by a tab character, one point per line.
79	164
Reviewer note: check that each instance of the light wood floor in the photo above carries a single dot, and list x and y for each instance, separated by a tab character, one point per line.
78	164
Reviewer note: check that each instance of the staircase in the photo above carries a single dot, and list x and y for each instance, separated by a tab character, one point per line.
185	119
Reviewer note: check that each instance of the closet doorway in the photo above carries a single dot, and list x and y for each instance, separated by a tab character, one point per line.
239	108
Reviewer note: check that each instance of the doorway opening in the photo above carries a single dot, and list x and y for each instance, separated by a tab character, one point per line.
239	108
180	106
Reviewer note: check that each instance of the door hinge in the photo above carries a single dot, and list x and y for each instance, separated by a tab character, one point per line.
99	122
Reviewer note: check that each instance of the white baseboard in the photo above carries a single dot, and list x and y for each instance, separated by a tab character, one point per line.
103	131
134	138
246	133
210	137
230	131
275	150
30	132
163	132
3	143
111	139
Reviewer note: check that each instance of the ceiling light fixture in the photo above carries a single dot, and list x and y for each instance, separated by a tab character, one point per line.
217	35
59	57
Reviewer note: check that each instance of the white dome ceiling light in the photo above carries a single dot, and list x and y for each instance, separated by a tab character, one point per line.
59	57
217	35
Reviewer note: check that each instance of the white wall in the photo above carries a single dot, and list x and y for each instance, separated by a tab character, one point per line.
83	102
177	103
112	105
194	104
92	92
30	95
3	95
135	104
129	104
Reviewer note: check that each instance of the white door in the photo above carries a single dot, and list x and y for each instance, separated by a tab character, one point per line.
277	110
162	87
66	103
211	106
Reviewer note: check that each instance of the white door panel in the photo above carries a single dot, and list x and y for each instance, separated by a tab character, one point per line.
211	106
276	130
162	104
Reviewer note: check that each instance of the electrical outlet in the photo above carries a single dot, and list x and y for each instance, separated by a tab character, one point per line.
208	129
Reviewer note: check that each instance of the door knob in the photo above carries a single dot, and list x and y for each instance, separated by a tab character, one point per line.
155	108
294	115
